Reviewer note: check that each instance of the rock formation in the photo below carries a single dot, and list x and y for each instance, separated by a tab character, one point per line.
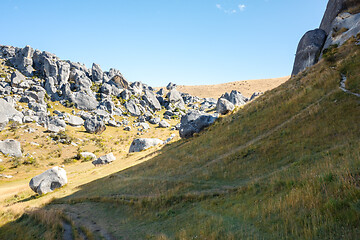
336	27
48	181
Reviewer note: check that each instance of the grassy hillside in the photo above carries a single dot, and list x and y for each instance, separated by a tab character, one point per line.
286	166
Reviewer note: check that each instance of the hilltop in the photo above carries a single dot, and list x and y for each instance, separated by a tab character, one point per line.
246	87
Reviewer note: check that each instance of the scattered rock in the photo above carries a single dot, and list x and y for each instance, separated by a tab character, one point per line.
155	120
48	181
141	144
87	155
164	124
94	125
106	159
194	122
171	86
127	128
75	121
54	129
224	106
11	148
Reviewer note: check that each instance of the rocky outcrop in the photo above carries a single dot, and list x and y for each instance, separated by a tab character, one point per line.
141	144
132	108
235	98
151	100
334	29
6	110
309	50
334	7
194	122
48	181
343	28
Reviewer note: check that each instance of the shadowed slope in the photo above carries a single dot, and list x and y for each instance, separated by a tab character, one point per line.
286	166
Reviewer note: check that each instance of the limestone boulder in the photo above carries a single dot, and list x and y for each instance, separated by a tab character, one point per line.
194	122
309	50
10	148
141	144
224	106
75	121
106	159
94	125
48	181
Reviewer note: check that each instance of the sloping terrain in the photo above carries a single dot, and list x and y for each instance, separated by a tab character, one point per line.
247	88
286	166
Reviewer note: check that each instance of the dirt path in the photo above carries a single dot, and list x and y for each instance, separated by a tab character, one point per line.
343	87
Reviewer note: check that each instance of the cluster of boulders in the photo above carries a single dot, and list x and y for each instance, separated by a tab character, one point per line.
40	79
336	27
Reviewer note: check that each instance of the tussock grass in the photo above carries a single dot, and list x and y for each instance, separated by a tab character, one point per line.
286	166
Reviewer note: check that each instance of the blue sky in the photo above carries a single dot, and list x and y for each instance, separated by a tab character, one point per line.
188	42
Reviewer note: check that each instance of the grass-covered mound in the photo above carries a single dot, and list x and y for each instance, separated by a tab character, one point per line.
286	166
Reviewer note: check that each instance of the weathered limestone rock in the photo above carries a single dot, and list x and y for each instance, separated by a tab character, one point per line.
94	125
106	159
309	50
224	106
48	181
11	148
141	144
194	122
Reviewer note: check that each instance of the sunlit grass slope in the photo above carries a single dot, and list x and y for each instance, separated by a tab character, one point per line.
286	166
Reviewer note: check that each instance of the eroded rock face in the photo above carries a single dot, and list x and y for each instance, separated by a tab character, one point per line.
132	108
48	181
334	7
309	50
97	73
345	21
235	98
194	122
151	100
7	110
141	144
85	101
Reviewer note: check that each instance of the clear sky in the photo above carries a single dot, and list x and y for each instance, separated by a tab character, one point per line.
188	42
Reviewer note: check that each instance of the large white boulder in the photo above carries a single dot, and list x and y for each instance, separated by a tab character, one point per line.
49	180
10	148
144	143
